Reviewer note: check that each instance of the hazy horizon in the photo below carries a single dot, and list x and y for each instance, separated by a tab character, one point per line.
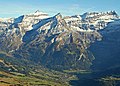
15	8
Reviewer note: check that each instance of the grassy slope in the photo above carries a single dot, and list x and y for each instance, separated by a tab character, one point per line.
44	79
32	75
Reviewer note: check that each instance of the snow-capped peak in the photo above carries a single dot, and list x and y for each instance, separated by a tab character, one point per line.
58	16
99	14
27	21
87	22
92	20
39	13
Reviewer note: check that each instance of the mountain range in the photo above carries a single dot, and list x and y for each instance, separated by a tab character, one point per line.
62	43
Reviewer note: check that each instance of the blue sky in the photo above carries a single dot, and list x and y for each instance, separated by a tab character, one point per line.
14	8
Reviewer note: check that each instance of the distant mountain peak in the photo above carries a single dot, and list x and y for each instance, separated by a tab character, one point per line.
40	13
89	14
58	16
37	11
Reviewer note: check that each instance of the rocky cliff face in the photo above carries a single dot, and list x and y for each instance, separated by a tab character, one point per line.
56	42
